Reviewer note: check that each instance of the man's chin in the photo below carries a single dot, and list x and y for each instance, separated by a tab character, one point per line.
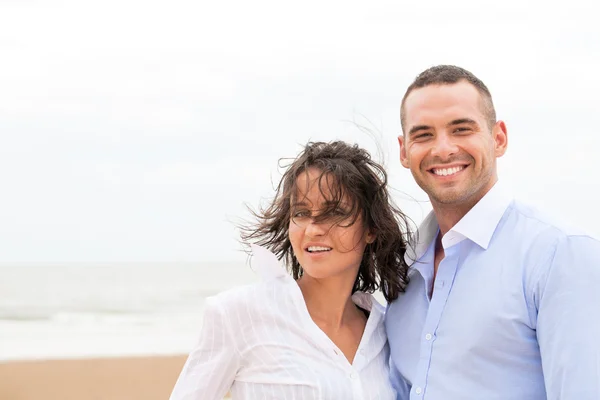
448	196
446	190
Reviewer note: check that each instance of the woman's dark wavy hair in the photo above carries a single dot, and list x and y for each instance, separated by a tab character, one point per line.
358	179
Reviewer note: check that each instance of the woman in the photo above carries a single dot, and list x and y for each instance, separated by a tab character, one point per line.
317	334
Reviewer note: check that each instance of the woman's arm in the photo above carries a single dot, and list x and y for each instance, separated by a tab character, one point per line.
212	365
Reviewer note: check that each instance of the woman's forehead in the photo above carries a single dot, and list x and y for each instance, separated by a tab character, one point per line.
322	192
315	183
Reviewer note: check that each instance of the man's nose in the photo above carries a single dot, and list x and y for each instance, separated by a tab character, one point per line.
444	146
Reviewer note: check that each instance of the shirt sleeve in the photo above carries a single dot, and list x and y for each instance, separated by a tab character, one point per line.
212	365
398	382
568	322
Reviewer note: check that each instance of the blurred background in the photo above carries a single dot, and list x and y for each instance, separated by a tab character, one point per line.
133	135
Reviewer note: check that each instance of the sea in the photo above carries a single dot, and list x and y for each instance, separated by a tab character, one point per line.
74	311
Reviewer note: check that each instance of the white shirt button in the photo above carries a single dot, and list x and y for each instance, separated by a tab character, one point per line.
353	375
418	390
429	336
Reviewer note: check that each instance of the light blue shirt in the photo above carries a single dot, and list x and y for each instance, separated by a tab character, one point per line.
514	314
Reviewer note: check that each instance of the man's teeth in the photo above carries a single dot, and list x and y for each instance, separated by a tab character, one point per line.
318	248
447	171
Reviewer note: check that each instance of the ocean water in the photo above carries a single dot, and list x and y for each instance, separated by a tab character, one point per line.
58	311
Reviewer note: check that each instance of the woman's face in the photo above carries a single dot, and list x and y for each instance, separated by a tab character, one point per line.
325	247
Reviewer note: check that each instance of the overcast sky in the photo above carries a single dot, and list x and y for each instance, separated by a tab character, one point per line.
136	130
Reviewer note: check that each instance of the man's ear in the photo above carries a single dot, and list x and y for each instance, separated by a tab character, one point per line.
500	135
403	158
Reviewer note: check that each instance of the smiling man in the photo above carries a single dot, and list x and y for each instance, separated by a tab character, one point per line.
502	303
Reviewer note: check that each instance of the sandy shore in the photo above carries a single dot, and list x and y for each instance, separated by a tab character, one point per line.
131	378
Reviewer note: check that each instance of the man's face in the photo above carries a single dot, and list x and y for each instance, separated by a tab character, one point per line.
448	145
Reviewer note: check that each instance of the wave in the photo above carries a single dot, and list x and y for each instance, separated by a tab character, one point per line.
25	314
22	317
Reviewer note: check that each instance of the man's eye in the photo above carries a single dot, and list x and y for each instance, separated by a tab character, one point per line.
301	214
462	129
422	136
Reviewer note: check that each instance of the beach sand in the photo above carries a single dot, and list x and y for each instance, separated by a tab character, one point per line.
130	378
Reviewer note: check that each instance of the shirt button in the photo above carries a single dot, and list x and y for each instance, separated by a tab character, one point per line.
428	336
418	390
353	375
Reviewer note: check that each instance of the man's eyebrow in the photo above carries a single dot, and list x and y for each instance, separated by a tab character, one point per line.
417	128
461	121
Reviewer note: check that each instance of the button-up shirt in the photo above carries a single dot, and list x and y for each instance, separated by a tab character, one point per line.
514	312
260	342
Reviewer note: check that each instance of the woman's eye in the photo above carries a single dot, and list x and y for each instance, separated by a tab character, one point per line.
338	212
301	214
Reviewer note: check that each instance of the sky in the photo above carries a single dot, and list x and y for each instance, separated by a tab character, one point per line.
138	131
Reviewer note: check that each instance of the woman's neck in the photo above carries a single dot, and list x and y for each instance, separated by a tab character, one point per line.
329	301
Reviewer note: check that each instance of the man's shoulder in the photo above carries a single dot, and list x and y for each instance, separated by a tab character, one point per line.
524	218
539	235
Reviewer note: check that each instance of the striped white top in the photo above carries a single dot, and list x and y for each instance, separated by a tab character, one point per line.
260	342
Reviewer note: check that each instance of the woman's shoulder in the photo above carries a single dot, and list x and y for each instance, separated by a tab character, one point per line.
247	296
249	308
234	295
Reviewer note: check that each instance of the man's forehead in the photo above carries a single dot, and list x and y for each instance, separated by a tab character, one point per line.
449	101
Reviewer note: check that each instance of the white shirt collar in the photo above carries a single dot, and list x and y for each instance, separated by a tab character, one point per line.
478	225
267	265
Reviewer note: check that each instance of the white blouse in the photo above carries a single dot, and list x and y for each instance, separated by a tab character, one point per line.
260	342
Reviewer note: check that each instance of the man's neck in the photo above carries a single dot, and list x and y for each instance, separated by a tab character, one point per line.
448	214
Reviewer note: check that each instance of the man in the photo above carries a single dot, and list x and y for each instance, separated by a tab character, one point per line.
502	303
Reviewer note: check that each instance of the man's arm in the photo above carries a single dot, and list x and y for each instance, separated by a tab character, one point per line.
568	324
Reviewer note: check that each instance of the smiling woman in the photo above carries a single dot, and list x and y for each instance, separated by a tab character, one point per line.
318	333
328	237
338	185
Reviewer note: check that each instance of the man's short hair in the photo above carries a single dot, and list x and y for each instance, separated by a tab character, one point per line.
448	75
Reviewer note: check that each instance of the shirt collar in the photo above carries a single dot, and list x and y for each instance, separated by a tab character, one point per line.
267	265
478	225
421	239
367	302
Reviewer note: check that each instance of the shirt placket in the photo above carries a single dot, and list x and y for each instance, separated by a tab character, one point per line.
352	373
357	389
443	284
